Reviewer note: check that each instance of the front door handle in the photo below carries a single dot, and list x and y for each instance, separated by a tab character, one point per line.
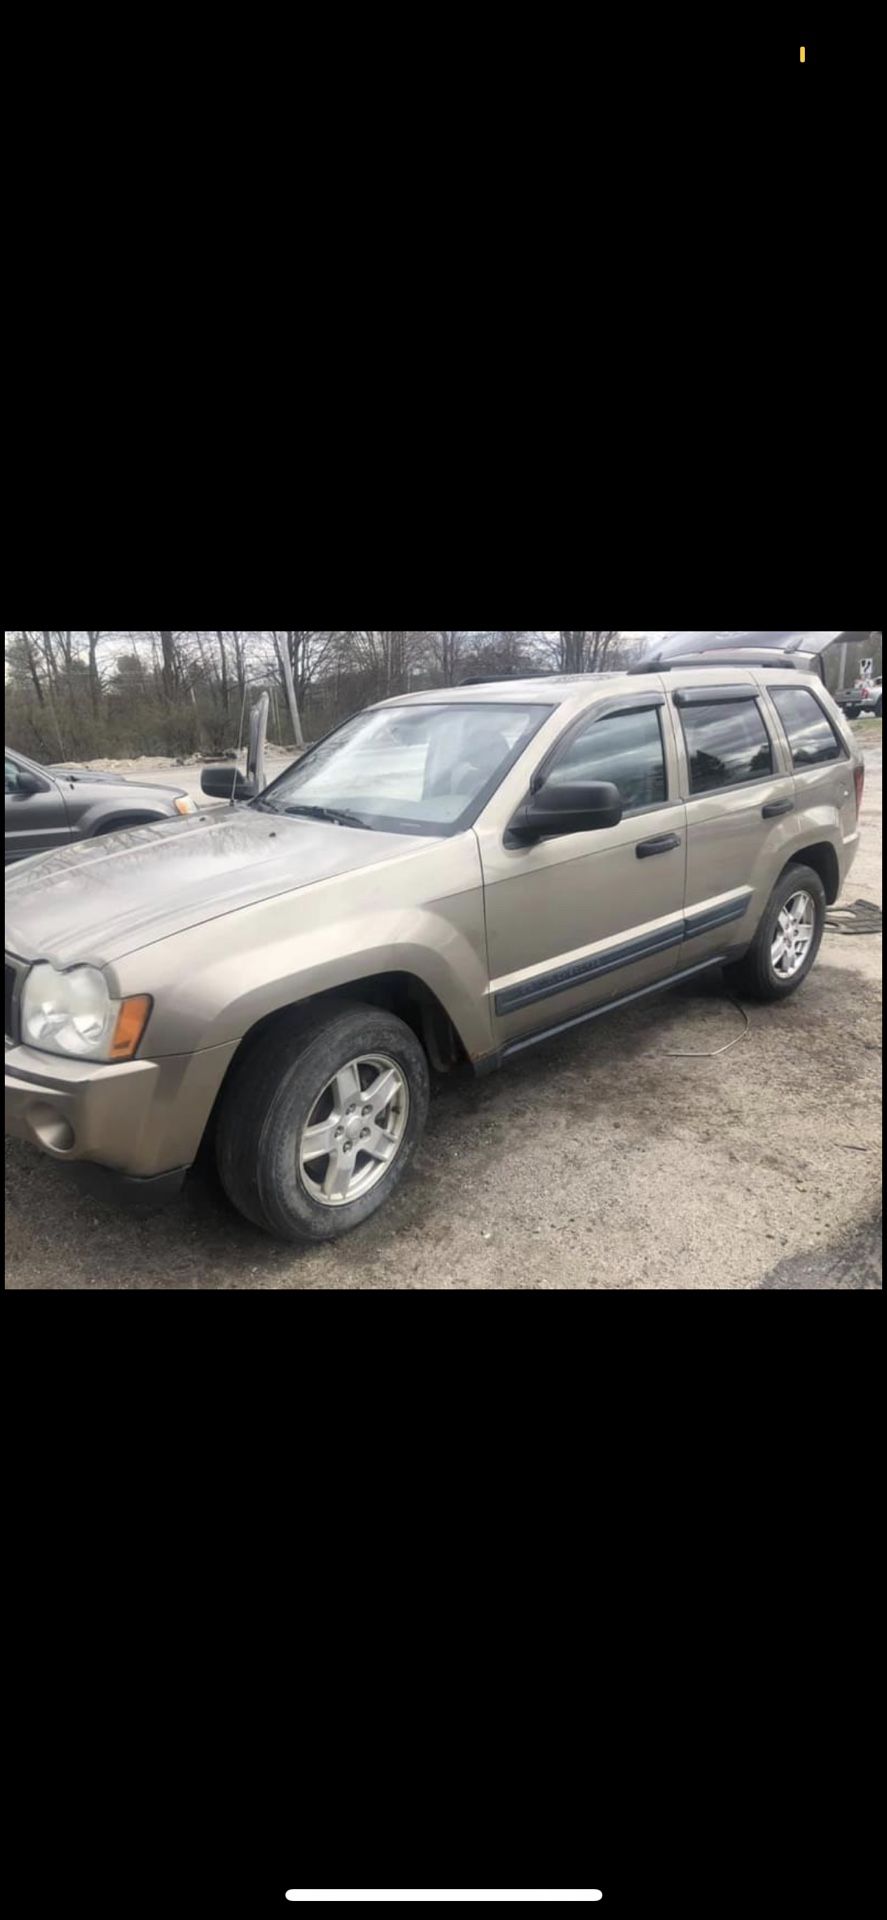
777	807
664	843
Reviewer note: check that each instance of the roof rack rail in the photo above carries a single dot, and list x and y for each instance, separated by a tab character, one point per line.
765	657
494	679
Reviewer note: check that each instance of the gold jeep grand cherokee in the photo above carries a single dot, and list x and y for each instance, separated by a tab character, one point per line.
450	876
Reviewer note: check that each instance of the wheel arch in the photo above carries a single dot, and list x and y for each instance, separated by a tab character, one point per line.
399	992
821	856
120	823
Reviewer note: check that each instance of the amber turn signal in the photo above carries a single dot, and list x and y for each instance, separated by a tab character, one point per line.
131	1023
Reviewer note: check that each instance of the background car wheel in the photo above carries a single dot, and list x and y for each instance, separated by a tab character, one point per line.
787	941
318	1126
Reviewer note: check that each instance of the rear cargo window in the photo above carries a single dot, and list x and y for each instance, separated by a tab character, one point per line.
812	737
726	745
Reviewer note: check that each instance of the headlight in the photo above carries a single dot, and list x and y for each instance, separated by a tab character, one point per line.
73	1013
184	805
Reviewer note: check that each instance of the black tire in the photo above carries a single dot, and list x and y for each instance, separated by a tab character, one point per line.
269	1100
852	713
755	975
878	707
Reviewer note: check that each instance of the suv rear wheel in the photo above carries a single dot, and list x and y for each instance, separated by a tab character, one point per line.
788	938
317	1128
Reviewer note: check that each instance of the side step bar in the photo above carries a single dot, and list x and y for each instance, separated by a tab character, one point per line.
493	1061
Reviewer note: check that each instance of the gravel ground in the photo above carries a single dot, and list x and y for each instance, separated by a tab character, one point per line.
605	1160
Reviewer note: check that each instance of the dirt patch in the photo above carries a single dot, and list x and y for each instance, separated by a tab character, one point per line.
157	763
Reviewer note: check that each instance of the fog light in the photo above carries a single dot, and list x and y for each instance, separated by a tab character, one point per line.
51	1128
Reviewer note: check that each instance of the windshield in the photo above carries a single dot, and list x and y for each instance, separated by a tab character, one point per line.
424	769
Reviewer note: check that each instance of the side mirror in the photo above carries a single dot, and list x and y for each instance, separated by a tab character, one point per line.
225	783
555	810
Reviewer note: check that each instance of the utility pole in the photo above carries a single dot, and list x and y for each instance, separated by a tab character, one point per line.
258	729
291	700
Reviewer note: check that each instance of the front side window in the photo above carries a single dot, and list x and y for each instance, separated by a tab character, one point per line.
11	776
727	744
623	747
810	733
423	769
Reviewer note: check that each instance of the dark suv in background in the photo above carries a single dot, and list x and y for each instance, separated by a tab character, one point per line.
48	807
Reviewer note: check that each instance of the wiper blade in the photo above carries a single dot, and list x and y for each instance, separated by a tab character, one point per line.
340	816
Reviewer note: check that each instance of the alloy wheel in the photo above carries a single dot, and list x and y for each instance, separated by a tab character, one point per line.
795	932
355	1130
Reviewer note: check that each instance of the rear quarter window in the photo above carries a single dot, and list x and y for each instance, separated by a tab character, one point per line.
727	745
811	736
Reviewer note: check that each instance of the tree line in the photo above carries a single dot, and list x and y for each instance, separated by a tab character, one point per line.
80	695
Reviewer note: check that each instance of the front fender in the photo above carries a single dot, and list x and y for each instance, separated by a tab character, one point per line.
212	984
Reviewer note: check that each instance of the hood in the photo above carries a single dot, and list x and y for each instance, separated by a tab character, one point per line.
667	646
99	899
81	776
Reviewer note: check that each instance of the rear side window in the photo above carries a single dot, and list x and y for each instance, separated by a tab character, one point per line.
811	735
625	748
727	744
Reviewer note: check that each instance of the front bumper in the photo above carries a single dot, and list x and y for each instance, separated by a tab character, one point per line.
142	1118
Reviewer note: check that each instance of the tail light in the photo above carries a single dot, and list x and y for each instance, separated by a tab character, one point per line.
859	776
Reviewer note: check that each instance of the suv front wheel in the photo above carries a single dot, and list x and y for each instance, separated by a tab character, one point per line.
317	1128
787	941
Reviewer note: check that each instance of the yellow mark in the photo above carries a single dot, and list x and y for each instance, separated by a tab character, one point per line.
803	54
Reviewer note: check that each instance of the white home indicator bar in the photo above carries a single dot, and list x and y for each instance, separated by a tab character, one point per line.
590	1894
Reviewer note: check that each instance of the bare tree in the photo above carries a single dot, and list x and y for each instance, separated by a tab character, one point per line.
52	671
445	651
509	653
238	643
95	685
394	655
223	664
30	660
164	692
170	666
585	652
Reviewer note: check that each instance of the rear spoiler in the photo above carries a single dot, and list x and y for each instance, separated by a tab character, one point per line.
812	643
803	650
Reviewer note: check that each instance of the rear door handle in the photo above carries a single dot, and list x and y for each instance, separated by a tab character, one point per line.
777	807
664	843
